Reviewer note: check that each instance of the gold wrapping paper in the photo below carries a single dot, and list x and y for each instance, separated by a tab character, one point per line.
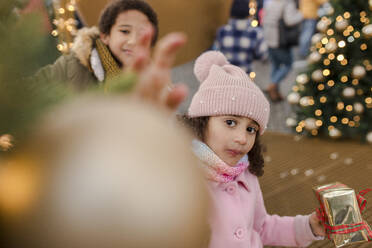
340	207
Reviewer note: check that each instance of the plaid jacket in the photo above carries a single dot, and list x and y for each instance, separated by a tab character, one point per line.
241	43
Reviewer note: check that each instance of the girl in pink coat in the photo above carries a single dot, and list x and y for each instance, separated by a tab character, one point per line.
228	114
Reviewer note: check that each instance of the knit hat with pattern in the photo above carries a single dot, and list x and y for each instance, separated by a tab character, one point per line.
225	89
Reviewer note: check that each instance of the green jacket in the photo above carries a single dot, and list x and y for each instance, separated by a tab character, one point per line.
75	69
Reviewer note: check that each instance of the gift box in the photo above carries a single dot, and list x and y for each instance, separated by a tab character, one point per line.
340	211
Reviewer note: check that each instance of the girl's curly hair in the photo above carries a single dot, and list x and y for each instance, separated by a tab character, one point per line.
198	126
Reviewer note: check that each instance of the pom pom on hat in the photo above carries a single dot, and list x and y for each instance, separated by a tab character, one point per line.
204	63
226	89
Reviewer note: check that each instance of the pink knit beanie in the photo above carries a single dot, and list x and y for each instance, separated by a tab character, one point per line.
225	89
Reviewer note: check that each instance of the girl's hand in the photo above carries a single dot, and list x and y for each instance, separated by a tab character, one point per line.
316	225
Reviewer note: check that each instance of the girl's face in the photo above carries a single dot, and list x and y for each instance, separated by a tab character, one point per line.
125	35
230	137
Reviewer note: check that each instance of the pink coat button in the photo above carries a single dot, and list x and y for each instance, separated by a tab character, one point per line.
239	233
231	189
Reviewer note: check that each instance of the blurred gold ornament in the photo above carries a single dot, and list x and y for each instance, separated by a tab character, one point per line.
358	71
317	75
310	124
334	133
305	101
369	137
322	25
293	98
19	185
316	38
367	31
358	107
314	57
331	47
6	142
348	92
291	122
341	25
302	79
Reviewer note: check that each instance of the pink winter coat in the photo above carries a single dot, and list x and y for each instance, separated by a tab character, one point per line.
239	218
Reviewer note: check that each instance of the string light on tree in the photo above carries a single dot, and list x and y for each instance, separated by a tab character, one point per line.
314	57
64	11
302	79
341	24
348	92
317	75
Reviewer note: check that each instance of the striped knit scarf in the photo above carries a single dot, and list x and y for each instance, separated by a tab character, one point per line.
109	64
215	169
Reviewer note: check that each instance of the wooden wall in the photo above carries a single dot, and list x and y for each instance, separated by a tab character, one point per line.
199	19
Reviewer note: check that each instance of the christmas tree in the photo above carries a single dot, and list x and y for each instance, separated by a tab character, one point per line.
333	96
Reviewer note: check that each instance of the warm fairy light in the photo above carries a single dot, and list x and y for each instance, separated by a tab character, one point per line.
341	44
6	142
302	124
298	129
333	119
323	99
340	105
326	72
347	15
319	45
330	32
340	57
54	33
363	47
350	39
350	28
318	123
330	127
321	87
314	132
356	118
322	50
352	124
61	11
71	7
345	121
331	83
324	41
60	47
254	23
311	102
332	40
344	62
318	112
363	14
346	33
339	18
356	34
368	100
331	56
252	74
349	108
295	88
355	82
360	92
344	79
326	62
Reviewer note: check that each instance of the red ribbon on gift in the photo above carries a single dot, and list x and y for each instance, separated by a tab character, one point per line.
344	228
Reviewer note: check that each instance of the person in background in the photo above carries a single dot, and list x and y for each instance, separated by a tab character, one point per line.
280	57
238	40
309	10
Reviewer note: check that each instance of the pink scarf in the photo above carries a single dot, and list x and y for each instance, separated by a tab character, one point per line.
216	169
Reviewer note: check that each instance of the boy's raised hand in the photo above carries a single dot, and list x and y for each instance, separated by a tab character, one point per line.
154	82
